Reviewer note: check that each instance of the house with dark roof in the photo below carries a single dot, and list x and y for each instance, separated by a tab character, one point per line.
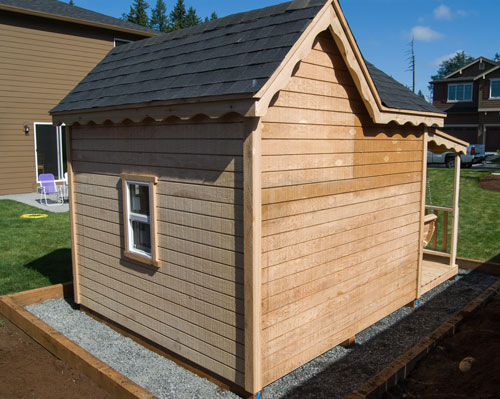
47	47
249	192
470	96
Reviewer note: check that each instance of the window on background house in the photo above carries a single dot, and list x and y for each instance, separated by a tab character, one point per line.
460	92
139	219
495	88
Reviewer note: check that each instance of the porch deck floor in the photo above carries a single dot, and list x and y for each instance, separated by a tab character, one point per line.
436	270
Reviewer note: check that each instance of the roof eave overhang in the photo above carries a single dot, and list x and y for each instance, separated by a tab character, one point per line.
76	20
331	17
212	107
439	142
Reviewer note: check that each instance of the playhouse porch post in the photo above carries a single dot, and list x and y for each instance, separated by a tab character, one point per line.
454	227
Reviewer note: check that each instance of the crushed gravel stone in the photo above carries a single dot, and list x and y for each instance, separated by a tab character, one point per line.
334	374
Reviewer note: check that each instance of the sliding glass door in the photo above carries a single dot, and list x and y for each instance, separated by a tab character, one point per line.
50	149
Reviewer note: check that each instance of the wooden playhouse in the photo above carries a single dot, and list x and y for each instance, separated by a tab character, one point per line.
249	193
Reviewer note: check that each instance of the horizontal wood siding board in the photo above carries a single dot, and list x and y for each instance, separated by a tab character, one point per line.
101	305
292	193
168	257
207	315
346	298
367	240
297	286
152	307
307	176
340	233
288	209
393	206
193	291
379	311
275	163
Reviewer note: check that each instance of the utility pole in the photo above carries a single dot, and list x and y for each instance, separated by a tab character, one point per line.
411	60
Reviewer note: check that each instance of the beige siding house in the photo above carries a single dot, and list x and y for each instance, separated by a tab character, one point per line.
47	47
250	192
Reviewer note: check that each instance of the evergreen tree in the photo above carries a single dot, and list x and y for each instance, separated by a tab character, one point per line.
177	16
497	57
71	3
191	18
450	65
159	19
420	94
138	14
213	16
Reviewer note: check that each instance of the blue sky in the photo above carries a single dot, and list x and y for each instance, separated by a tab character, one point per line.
383	28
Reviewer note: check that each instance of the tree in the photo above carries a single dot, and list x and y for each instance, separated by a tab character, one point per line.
159	19
177	16
450	65
71	3
212	17
420	94
191	18
497	57
138	14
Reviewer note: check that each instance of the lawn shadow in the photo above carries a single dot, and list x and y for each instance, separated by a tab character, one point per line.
495	259
56	266
336	373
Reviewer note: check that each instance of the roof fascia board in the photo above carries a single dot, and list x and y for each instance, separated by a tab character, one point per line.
331	17
300	49
213	108
76	20
483	75
480	59
443	141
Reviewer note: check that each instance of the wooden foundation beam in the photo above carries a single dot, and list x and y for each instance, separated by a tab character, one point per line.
349	343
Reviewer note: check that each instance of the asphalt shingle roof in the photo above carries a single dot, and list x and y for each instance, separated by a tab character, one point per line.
59	8
394	95
232	55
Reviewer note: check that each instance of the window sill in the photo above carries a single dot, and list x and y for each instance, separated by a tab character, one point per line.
145	260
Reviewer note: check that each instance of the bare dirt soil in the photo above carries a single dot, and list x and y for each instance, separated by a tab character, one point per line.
491	183
27	370
438	375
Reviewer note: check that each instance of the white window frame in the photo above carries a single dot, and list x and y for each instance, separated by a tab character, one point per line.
491	88
460	84
59	144
128	217
121	40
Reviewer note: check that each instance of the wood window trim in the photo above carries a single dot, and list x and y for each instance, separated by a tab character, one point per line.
491	89
459	101
152	181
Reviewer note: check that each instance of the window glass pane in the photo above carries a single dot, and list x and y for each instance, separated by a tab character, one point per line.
495	88
452	93
141	236
460	92
467	92
139	198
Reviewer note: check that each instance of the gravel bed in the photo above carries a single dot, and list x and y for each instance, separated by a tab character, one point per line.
334	374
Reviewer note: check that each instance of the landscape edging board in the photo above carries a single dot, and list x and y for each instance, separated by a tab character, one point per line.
12	307
399	369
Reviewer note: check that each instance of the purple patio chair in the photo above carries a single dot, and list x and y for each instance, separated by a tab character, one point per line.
48	187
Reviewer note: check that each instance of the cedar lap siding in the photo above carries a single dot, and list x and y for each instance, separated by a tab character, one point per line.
289	177
47	47
476	121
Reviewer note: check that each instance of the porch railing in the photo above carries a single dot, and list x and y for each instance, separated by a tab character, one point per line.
441	239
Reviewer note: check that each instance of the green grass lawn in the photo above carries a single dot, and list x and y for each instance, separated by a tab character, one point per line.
479	224
33	252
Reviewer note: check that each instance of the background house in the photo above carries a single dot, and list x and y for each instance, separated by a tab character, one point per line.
46	48
249	193
471	98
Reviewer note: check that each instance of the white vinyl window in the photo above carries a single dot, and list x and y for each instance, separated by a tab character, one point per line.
139	194
495	88
459	92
